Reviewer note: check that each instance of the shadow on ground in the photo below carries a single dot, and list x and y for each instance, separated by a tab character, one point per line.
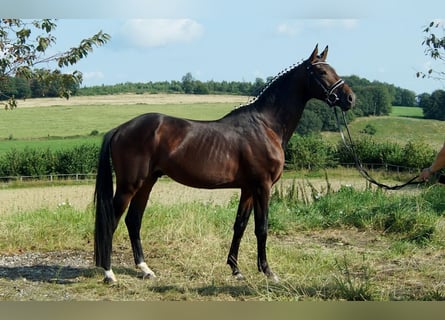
55	273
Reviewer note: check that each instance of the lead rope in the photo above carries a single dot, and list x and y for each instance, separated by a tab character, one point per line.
358	164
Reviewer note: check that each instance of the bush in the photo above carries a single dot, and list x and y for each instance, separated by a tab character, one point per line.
28	162
413	155
80	159
36	162
312	152
418	154
309	152
369	129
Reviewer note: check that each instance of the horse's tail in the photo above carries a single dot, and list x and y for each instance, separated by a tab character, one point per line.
103	199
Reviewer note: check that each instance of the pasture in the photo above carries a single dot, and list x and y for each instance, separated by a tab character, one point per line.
397	129
58	123
341	247
411	112
332	237
43	119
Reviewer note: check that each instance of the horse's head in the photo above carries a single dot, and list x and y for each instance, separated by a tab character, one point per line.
325	84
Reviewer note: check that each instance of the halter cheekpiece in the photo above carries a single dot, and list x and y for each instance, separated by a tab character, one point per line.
331	95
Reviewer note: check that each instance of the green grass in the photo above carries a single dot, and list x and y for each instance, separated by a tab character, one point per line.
396	129
59	127
353	257
402	125
412	218
48	230
52	143
409	112
67	121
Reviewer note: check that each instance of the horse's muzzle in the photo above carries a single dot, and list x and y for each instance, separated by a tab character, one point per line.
347	99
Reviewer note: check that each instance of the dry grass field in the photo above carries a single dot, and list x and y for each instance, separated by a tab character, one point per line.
128	99
80	195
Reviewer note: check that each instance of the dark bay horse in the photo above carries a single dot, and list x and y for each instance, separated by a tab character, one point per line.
244	149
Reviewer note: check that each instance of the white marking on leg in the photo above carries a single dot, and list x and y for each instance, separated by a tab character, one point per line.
274	278
239	276
148	273
109	276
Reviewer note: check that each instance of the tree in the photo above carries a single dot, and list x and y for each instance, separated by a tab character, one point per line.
403	97
375	100
310	122
433	105
23	47
188	83
257	86
434	43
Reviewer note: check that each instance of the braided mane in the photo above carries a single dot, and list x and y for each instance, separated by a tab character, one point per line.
269	83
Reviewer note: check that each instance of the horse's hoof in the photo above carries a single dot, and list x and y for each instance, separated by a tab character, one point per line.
108	280
147	273
273	277
149	276
239	276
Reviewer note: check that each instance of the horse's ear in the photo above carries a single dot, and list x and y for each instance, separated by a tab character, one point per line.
314	54
324	54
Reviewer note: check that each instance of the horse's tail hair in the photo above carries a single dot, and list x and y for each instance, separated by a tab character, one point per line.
103	199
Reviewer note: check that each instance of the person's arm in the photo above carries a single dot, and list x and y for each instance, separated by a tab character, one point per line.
438	163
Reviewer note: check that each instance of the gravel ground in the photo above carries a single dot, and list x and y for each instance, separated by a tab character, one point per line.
57	267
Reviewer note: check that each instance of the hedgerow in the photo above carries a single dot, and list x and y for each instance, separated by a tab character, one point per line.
38	162
302	152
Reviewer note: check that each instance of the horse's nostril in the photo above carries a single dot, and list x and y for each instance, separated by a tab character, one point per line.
351	98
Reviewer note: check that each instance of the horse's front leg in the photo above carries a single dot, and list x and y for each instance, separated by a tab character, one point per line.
261	211
242	218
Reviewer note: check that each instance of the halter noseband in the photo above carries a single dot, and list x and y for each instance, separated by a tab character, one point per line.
331	96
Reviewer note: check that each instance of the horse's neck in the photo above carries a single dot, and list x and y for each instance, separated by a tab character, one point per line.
282	109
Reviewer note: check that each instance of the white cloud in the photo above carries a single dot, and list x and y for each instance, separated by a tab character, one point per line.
294	28
289	29
93	75
337	23
161	32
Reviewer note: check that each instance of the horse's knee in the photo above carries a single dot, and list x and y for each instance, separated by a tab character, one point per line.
261	232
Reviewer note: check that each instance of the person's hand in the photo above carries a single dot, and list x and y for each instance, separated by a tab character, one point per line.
425	174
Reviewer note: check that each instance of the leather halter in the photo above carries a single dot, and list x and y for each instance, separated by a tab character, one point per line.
331	95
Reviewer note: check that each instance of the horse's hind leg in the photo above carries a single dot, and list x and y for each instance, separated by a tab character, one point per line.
120	203
133	222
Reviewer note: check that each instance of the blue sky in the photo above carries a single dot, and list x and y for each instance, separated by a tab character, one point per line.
242	40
